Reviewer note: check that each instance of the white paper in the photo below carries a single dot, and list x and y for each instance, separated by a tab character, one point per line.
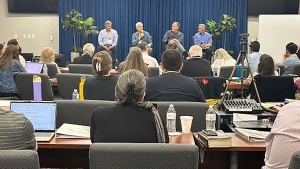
244	117
5	103
75	130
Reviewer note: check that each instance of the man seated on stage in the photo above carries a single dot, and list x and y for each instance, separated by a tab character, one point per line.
108	40
254	56
289	58
86	57
204	40
142	37
16	132
173	39
173	86
195	65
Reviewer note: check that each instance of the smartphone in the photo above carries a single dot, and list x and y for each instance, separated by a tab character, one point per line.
210	133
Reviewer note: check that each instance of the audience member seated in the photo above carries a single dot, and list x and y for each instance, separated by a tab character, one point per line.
16	132
149	61
195	65
16	43
298	52
223	59
284	139
142	37
204	40
289	58
266	67
2	48
48	57
102	86
254	56
134	60
108	40
173	39
9	64
173	86
86	57
131	119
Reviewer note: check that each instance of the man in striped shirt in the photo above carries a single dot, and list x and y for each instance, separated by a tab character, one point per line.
16	132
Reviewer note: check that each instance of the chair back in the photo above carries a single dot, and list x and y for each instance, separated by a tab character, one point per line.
27	56
196	109
295	161
67	82
60	60
273	88
153	71
225	72
143	155
80	68
52	70
296	69
19	159
281	69
78	111
24	83
212	87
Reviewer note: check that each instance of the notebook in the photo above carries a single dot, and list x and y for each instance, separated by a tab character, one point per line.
42	116
32	67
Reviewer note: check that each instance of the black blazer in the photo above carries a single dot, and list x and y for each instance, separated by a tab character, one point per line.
83	59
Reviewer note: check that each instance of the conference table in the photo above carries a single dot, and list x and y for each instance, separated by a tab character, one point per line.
74	153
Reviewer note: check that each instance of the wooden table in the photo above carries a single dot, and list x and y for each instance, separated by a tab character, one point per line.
74	153
236	86
242	154
66	70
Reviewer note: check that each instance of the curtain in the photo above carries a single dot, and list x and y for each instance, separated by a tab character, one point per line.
157	17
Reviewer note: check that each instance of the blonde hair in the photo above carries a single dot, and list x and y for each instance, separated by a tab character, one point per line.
195	50
222	54
89	49
47	55
134	60
101	63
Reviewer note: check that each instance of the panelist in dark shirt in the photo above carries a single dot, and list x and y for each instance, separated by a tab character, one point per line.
131	119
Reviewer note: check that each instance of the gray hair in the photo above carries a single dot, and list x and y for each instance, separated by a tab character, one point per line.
131	87
89	49
177	23
138	23
195	50
108	22
201	24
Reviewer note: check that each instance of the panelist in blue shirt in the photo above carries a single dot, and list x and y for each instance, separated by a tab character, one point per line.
204	40
141	37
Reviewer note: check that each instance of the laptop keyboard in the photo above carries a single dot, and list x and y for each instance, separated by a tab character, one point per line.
41	134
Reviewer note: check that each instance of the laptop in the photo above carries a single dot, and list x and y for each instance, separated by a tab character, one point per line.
32	67
42	116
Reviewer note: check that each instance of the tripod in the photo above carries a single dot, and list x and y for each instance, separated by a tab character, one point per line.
241	57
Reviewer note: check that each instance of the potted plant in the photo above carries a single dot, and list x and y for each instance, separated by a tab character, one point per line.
86	27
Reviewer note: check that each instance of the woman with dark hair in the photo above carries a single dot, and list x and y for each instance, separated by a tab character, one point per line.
131	119
102	85
9	64
266	67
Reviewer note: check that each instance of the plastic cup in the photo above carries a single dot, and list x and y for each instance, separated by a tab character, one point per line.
186	123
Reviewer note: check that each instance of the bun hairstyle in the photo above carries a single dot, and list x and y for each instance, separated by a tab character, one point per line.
101	63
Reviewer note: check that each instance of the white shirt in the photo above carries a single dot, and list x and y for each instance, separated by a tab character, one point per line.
218	63
22	60
150	61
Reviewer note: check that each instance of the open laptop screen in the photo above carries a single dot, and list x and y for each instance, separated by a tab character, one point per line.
32	67
41	114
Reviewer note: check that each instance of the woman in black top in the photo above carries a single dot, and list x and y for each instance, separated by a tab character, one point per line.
131	120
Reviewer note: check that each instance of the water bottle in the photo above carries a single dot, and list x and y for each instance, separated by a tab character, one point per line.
75	95
116	64
81	84
37	88
45	69
239	71
210	119
171	119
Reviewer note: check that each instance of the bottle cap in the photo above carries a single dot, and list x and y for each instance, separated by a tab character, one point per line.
37	78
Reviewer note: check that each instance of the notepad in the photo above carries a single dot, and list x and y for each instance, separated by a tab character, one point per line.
73	131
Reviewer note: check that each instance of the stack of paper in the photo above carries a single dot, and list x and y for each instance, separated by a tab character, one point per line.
73	131
251	135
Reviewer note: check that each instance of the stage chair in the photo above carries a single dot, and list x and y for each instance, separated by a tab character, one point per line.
196	109
212	87
24	85
143	155
296	69
80	68
78	111
273	88
19	159
153	71
67	82
295	161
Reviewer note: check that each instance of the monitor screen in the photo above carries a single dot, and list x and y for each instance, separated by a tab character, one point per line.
32	6
273	7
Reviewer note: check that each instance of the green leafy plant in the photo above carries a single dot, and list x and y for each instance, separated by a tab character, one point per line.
86	27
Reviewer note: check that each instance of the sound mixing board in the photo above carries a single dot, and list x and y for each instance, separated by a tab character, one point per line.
241	106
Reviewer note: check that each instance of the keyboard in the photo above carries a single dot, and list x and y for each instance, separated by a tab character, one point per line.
241	106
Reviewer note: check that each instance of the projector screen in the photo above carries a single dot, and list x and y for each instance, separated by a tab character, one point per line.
275	31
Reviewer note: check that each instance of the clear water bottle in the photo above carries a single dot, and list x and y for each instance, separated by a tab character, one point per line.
171	119
211	119
45	69
75	95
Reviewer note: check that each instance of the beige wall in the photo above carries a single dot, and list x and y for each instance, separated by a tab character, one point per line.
20	25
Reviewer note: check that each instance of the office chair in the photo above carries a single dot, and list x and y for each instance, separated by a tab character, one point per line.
295	161
153	71
60	60
52	70
27	56
24	84
143	155
225	72
196	109
273	88
80	68
281	69
78	111
19	159
296	69
212	87
67	82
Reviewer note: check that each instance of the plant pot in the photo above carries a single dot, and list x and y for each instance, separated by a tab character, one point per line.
74	55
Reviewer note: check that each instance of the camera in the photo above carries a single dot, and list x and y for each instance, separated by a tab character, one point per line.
244	37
